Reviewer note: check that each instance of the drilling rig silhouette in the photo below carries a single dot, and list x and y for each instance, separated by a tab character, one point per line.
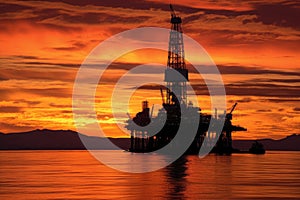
145	138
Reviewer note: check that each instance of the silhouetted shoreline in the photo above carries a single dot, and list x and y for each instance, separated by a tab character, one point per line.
70	140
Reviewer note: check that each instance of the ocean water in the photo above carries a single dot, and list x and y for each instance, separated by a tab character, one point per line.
78	175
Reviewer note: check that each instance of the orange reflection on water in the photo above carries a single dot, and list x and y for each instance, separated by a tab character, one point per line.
77	175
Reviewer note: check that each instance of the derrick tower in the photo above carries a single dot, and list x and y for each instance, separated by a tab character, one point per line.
176	82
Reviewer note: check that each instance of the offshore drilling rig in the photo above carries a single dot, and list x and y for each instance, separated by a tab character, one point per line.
174	102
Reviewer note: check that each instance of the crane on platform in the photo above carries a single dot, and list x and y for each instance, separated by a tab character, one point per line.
233	107
128	115
162	95
151	113
229	115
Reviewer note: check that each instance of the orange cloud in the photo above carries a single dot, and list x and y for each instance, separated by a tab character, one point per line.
42	46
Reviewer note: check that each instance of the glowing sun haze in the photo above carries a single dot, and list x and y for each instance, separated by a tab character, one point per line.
255	45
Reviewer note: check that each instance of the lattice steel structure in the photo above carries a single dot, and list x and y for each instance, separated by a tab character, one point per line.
176	82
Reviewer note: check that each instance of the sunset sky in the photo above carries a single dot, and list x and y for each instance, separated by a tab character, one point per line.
255	45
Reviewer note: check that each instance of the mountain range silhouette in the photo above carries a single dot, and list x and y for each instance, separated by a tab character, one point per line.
46	139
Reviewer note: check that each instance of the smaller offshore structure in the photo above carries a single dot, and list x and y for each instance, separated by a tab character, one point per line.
176	109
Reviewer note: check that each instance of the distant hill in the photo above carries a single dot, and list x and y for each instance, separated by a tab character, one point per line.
70	140
289	143
56	140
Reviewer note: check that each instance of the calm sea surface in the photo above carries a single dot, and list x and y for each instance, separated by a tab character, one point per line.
78	175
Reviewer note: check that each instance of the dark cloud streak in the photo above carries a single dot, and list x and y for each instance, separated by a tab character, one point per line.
10	109
284	14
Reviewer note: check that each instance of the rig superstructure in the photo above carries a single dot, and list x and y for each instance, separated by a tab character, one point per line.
174	102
